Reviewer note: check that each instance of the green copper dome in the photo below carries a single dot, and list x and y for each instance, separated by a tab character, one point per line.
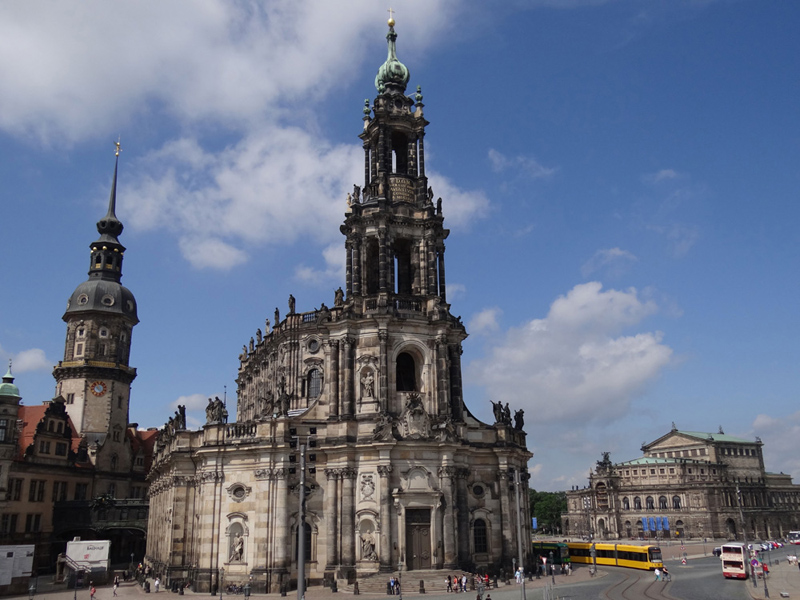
393	75
7	388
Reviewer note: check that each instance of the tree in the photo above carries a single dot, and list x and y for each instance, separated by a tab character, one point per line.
547	508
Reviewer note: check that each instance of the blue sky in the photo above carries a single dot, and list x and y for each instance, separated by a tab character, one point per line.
620	180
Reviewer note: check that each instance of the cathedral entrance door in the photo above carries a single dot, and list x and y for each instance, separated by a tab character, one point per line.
418	538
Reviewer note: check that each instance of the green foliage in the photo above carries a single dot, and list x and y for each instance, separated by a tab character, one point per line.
547	507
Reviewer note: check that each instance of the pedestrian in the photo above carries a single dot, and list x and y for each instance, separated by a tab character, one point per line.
464	582
658	574
157	584
116	585
391	585
449	583
92	591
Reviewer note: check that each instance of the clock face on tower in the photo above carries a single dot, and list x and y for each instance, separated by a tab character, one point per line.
99	388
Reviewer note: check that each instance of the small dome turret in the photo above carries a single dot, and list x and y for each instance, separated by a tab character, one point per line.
8	391
393	75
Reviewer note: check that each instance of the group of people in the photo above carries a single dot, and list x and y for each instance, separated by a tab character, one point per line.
457	584
662	574
393	587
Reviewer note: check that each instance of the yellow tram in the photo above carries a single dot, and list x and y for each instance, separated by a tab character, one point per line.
617	555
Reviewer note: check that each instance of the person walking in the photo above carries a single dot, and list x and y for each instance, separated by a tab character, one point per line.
449	584
157	584
116	585
658	574
92	591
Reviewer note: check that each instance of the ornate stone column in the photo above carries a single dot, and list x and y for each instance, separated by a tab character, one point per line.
282	530
506	523
348	265
383	336
442	376
462	504
332	519
431	261
366	165
333	378
383	274
386	563
448	532
349	398
357	266
422	154
456	386
348	532
442	286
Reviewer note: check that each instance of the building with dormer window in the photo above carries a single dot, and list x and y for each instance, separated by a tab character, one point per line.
687	484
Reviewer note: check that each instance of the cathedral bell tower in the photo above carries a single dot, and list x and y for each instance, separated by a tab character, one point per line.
395	237
95	378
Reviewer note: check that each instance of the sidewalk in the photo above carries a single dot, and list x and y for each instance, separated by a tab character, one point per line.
133	591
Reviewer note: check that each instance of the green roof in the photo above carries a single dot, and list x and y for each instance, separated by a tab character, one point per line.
716	437
7	388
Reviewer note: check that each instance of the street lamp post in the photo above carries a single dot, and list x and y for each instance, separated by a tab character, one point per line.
301	529
221	581
552	567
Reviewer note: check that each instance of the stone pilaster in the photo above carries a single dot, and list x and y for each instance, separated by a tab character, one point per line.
446	475
386	563
331	518
506	523
462	504
347	533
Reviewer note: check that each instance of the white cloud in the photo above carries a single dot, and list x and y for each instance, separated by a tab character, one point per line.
575	365
460	207
275	186
659	176
24	361
455	291
614	261
526	165
78	69
485	321
780	435
334	256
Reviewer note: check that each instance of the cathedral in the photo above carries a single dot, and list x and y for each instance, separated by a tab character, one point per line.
352	448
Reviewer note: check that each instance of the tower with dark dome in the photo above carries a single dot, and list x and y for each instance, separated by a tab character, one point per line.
95	376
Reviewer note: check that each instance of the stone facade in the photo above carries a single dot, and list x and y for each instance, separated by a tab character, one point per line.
367	394
692	482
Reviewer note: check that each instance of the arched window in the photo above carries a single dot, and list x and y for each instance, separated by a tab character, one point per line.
637	503
307	536
676	502
113	462
406	373
479	534
662	502
314	383
650	504
626	505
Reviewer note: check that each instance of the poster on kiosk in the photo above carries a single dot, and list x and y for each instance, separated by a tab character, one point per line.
91	556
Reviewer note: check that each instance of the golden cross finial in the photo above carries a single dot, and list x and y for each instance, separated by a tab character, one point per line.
117	144
391	16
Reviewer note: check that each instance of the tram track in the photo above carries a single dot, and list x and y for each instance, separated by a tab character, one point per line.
633	586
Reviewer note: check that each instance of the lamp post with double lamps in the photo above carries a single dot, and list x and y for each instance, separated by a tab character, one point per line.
520	564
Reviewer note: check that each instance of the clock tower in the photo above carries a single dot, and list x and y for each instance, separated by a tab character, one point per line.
95	378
